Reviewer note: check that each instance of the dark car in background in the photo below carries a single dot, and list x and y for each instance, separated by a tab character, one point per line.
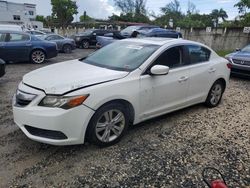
2	68
159	32
155	32
65	45
240	61
88	38
18	46
128	31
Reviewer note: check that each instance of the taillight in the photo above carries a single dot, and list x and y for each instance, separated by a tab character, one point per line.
229	65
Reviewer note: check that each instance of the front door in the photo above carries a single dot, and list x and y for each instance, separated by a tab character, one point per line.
165	93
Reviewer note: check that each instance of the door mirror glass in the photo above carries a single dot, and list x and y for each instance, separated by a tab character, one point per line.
237	49
159	70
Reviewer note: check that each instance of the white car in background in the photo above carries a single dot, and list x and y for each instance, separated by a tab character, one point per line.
9	27
127	82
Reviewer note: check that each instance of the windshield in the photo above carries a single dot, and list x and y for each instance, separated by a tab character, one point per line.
130	29
87	33
246	49
122	55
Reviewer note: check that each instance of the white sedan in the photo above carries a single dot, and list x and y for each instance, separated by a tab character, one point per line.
96	98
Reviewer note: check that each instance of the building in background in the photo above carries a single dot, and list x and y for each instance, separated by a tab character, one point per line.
19	13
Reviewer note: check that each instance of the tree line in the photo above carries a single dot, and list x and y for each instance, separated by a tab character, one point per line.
171	15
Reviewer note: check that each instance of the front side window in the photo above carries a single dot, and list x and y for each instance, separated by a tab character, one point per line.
172	57
198	54
15	37
122	55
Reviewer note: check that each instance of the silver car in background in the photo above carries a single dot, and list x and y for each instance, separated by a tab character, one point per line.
65	45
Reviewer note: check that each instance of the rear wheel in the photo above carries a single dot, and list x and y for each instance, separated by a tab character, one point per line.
37	56
67	48
215	94
85	44
108	125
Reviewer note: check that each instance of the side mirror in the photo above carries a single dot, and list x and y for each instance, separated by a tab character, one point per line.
159	70
237	49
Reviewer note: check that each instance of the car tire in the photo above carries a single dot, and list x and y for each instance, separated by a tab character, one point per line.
215	94
67	48
85	44
108	125
37	56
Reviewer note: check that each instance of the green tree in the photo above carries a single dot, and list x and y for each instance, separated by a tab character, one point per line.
132	11
40	18
171	11
218	14
85	17
243	5
63	11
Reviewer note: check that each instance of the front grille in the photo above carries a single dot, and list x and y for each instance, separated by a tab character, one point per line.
239	71
56	135
241	62
23	99
21	102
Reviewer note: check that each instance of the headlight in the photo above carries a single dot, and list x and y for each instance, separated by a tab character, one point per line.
78	38
62	101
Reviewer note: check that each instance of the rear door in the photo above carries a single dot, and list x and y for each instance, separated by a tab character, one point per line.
18	47
202	72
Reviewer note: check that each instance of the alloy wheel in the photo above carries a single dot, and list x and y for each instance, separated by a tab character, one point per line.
216	93
38	56
110	126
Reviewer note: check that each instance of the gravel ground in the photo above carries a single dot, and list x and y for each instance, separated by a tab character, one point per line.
169	151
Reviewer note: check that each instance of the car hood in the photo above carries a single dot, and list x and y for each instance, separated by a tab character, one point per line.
64	77
240	55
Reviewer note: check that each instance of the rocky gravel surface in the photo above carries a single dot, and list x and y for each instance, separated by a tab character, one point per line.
168	151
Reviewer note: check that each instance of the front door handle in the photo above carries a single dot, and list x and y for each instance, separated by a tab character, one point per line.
211	70
183	79
28	44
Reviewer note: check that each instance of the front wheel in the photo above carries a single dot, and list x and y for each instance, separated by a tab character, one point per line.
37	56
215	94
108	125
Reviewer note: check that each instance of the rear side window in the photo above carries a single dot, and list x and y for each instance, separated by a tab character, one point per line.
198	54
16	37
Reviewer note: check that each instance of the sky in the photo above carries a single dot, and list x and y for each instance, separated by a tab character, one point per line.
104	8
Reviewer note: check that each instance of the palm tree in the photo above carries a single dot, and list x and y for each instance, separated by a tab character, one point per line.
217	14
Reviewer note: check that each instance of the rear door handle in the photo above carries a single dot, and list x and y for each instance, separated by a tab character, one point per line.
211	70
183	79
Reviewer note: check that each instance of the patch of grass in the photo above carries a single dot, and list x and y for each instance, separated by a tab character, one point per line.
222	53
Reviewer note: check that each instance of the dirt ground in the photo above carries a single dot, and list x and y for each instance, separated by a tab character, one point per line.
169	151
